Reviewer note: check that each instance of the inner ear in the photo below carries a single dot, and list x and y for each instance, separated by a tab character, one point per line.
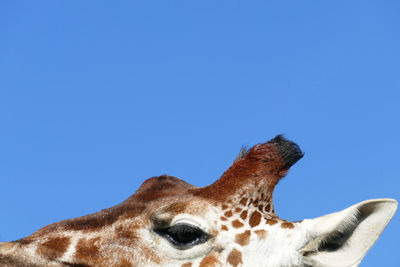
335	240
343	238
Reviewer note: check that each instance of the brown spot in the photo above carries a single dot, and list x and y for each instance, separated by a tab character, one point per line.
268	208
260	208
255	219
271	221
237	210
87	249
288	225
124	263
255	203
126	233
224	228
261	233
209	261
243	215
223	218
228	213
243	201
251	201
188	264
54	247
237	224
235	258
243	238
224	207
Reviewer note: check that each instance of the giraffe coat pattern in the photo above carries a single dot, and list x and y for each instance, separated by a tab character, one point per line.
231	222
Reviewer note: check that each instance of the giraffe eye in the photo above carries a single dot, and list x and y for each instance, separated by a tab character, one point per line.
183	236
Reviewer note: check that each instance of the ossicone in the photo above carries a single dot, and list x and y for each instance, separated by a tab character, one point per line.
258	169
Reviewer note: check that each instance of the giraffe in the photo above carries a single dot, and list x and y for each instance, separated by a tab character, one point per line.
231	222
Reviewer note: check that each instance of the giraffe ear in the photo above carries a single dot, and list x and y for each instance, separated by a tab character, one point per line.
343	238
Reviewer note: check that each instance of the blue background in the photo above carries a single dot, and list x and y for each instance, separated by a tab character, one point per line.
95	97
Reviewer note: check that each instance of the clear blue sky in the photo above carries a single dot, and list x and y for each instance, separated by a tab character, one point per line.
95	97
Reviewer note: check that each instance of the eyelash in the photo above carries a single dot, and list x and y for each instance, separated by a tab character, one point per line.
183	236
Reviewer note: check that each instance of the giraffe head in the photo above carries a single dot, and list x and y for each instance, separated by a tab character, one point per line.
231	222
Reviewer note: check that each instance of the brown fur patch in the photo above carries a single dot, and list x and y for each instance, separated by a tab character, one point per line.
243	238
209	261
255	219
176	208
243	201
243	215
235	257
158	187
255	203
228	213
237	210
224	207
188	264
25	241
223	218
268	208
237	224
87	250
124	263
96	221
125	232
54	247
262	234
271	221
224	228
287	225
260	208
